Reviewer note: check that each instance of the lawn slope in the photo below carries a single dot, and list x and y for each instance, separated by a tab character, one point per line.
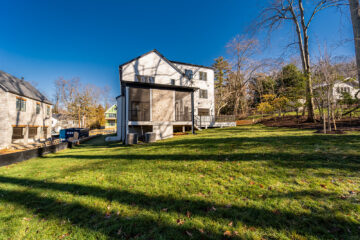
249	182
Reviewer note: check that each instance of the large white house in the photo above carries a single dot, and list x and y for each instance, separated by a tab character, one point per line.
163	96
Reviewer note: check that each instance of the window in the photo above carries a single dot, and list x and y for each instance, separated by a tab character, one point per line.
111	115
203	76
32	132
111	123
37	108
48	110
145	79
20	104
45	132
189	73
203	112
203	93
172	81
18	133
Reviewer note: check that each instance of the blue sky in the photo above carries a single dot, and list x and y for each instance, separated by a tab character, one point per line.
42	40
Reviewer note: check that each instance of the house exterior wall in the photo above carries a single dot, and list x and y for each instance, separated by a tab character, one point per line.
151	65
110	121
338	95
201	84
10	118
5	125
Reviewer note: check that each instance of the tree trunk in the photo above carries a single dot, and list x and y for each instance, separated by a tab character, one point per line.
303	42
355	18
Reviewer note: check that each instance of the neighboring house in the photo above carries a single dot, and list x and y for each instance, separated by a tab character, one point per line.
63	121
25	113
339	88
161	96
110	117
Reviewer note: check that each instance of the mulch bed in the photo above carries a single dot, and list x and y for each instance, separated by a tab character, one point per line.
294	122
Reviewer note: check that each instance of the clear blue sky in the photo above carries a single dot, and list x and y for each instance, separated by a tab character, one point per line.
43	40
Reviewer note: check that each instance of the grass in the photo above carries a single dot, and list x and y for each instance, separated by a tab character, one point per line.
249	182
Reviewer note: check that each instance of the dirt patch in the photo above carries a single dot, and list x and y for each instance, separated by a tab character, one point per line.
244	122
294	122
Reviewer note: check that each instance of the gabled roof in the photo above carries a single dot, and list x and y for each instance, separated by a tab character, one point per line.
20	87
160	55
111	109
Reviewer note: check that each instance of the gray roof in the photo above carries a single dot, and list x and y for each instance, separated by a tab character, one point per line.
20	87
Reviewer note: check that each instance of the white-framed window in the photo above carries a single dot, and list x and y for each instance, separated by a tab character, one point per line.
172	81
48	110
145	79
203	93
20	104
203	76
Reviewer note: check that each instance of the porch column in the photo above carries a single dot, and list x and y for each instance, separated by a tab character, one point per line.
126	128
192	113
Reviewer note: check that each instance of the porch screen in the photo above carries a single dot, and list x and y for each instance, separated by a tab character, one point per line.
139	105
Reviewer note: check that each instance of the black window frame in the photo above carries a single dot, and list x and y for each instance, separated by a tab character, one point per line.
172	81
189	73
201	76
203	93
145	78
38	108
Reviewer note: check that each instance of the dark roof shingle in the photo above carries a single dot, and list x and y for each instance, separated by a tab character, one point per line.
20	87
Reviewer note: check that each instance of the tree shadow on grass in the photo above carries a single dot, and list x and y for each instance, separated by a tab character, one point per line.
348	162
323	224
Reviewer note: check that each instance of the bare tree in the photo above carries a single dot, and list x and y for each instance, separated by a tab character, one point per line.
293	11
241	50
355	18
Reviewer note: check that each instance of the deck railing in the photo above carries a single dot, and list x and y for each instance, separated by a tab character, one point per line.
139	115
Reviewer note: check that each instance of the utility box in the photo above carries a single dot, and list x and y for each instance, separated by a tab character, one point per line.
132	138
150	137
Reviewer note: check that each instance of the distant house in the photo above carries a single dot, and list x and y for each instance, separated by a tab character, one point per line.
62	121
110	117
163	96
25	112
339	88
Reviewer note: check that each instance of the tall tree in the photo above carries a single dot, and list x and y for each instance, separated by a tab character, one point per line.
293	11
355	18
222	69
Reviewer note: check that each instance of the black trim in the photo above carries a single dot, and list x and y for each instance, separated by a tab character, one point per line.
190	64
158	86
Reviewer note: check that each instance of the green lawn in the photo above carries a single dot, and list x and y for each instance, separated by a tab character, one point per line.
249	182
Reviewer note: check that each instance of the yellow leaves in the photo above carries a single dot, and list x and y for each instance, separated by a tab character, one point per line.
227	233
